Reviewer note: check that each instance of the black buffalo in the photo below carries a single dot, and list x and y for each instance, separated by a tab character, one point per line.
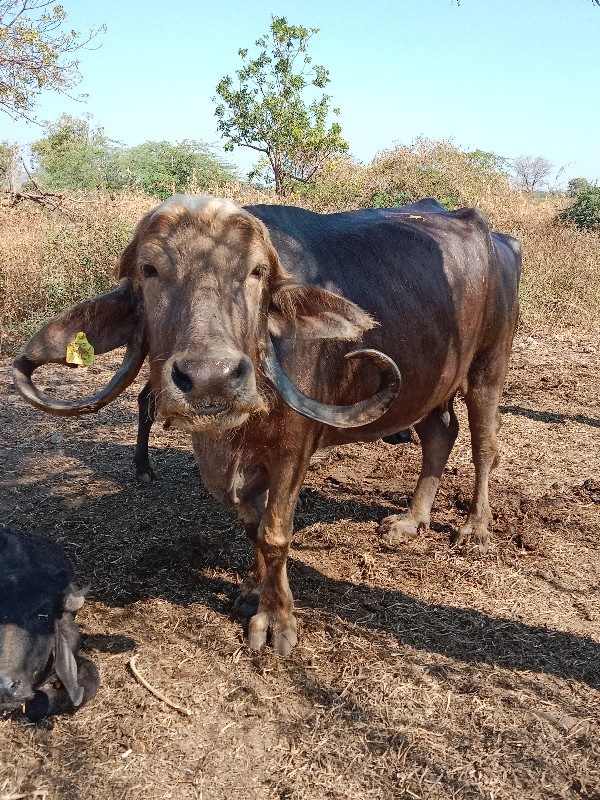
39	639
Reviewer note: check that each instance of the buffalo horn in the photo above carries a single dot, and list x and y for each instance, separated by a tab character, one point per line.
24	367
352	416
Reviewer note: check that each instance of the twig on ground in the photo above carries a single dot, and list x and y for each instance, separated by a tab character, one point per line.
140	678
37	795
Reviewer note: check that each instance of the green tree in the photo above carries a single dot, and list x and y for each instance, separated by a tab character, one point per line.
584	212
267	112
35	53
489	162
162	169
74	154
576	185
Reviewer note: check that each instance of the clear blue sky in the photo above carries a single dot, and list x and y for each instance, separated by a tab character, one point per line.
516	77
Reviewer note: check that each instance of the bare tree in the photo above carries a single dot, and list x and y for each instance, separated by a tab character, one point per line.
530	171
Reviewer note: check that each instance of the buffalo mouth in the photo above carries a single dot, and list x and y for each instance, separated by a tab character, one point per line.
210	417
9	701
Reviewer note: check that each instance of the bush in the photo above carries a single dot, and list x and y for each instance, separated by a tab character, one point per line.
584	212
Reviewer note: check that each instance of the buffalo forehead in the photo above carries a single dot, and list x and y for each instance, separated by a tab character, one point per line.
197	204
24	592
224	244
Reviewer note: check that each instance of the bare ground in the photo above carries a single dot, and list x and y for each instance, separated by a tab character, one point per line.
424	672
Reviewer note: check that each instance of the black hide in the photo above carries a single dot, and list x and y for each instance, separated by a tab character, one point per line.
39	638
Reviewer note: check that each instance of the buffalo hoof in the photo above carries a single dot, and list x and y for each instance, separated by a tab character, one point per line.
401	437
279	630
476	533
399	529
145	474
246	604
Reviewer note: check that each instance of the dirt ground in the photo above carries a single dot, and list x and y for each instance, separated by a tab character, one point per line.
425	672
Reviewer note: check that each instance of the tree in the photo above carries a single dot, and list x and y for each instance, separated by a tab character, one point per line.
10	172
35	54
577	185
267	112
489	162
162	169
531	170
74	154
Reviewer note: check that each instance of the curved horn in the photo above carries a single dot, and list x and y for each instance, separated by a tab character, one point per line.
24	367
352	416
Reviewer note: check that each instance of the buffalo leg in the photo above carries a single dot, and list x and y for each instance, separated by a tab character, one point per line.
437	432
250	514
482	400
275	618
147	415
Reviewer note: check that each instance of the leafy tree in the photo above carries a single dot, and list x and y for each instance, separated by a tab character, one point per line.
531	170
162	169
35	54
74	154
584	212
266	112
489	162
576	185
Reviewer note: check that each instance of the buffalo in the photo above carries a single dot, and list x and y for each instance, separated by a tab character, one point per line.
40	666
246	315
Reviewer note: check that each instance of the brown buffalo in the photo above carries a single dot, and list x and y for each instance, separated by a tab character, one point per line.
204	285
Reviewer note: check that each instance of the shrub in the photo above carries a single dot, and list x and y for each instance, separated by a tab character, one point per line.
584	212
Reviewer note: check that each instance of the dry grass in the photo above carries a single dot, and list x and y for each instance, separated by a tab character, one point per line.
48	261
421	673
560	286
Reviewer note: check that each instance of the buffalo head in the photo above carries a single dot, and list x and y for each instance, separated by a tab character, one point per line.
39	637
202	290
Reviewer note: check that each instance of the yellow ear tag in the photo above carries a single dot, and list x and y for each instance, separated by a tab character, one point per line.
80	351
415	216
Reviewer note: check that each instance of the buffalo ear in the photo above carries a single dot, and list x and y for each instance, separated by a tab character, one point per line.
66	639
108	321
74	598
304	311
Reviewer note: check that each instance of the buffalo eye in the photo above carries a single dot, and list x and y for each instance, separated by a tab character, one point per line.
258	272
149	271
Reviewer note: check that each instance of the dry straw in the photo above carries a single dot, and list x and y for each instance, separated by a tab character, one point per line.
52	259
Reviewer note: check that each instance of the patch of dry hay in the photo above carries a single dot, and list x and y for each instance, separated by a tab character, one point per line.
420	673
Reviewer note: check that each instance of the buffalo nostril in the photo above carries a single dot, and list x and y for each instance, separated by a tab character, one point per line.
181	380
240	372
